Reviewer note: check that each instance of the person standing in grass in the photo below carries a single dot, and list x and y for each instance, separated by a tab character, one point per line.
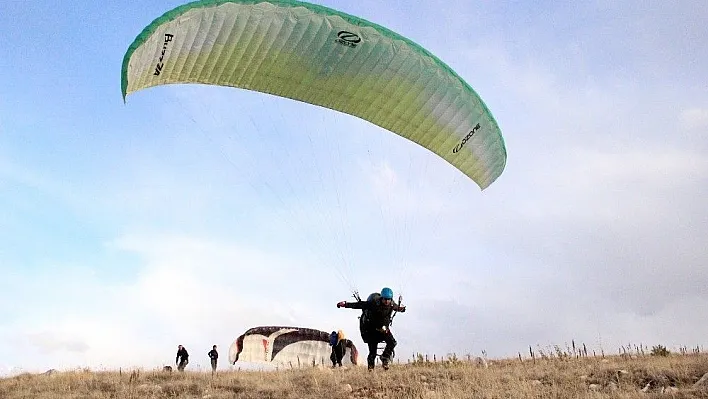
340	343
182	358
374	324
213	355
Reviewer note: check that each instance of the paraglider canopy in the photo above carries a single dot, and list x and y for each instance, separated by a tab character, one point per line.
321	56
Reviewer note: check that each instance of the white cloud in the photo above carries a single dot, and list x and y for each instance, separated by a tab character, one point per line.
48	342
694	118
608	184
188	290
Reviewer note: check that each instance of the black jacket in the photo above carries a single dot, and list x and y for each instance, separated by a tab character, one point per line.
376	314
213	354
183	354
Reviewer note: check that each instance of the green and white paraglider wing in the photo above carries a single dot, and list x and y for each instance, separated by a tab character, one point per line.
321	56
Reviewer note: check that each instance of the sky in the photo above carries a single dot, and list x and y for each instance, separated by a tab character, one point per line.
189	214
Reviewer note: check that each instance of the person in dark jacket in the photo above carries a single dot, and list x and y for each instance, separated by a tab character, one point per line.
213	355
375	322
340	343
182	358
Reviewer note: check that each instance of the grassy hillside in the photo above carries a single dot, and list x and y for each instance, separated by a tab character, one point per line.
592	377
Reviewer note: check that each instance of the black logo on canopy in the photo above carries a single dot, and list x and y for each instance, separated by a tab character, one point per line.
348	38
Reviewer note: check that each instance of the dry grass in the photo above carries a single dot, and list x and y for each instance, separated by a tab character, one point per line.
613	377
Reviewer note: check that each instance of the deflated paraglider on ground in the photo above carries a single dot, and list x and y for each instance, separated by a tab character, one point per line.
321	56
286	346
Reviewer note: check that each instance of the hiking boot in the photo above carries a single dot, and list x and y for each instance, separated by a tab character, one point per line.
384	362
371	367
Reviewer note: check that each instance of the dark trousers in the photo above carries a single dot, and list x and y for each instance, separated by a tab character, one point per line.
373	339
337	355
182	364
213	365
